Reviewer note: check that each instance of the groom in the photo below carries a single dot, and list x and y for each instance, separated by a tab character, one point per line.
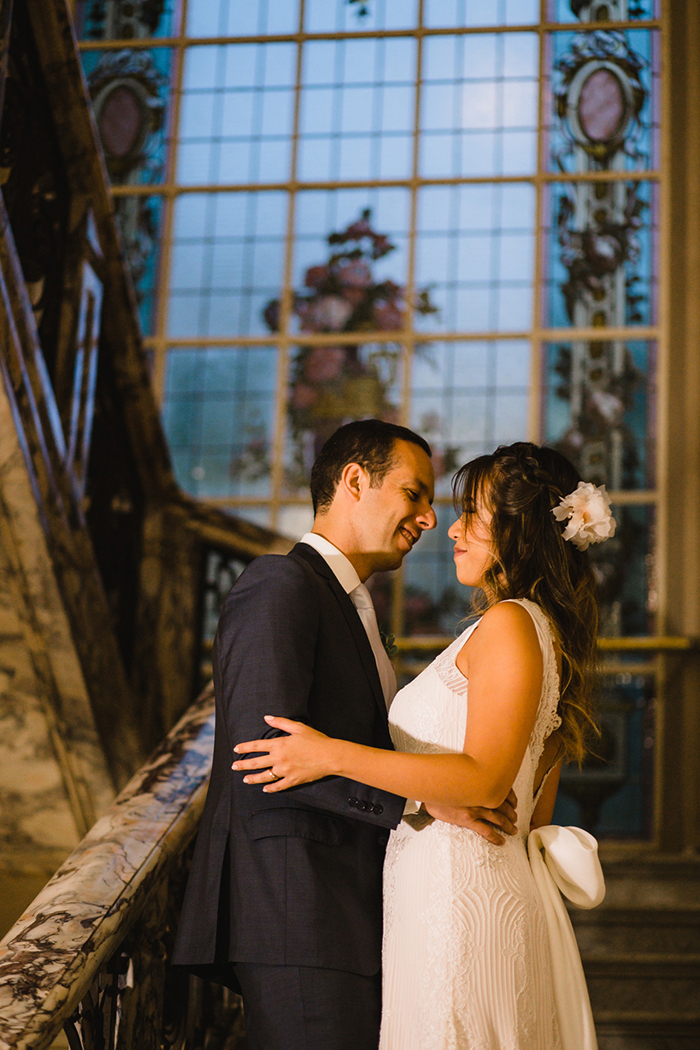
284	900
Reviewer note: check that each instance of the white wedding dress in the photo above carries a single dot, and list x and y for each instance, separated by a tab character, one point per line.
466	957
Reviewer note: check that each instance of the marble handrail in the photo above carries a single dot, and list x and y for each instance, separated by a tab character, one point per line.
50	956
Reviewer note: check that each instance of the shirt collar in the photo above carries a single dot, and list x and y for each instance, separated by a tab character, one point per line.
341	566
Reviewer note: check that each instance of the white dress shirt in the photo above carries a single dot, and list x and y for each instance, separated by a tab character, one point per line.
347	577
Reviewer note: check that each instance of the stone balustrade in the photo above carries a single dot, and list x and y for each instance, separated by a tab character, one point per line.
90	952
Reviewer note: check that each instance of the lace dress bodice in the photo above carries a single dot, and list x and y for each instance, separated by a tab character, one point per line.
466	963
430	714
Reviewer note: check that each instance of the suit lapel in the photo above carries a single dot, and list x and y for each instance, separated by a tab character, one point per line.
364	649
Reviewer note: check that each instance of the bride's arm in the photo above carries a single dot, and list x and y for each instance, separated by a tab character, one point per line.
503	663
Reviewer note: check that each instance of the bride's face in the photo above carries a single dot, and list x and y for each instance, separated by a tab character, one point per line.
473	553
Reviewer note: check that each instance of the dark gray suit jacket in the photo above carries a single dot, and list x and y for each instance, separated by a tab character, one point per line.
305	865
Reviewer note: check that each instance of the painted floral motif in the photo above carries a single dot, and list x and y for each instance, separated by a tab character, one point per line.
599	96
333	383
592	255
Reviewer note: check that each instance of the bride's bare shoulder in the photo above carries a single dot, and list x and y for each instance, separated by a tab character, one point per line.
505	628
507	620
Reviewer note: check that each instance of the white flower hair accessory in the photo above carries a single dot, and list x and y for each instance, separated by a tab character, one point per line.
588	511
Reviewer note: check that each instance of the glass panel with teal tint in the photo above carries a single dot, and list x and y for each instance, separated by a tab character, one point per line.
218	413
124	19
604	107
351	16
209	18
237	114
601	254
475	255
139	221
603	10
467	398
443	14
332	385
130	93
227	262
350	261
479	105
624	570
357	109
434	600
612	795
599	409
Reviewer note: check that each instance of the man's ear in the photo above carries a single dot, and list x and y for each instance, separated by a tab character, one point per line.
353	480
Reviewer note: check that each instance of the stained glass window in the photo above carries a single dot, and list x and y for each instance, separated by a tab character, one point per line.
443	213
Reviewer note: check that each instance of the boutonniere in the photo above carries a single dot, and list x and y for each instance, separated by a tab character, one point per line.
389	643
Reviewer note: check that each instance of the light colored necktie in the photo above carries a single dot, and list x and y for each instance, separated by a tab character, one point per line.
362	601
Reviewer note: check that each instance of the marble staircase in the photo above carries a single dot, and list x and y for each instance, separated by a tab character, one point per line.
641	954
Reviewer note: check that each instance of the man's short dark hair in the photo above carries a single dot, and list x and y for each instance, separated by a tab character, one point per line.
369	442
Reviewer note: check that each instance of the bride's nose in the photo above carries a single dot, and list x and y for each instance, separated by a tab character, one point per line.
453	531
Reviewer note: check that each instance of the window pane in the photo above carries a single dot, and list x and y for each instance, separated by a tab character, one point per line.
130	93
237	113
439	14
479	105
434	600
234	18
475	254
560	10
467	398
624	569
226	264
139	220
605	101
331	385
115	20
295	520
357	109
614	797
601	252
599	409
218	414
350	260
348	16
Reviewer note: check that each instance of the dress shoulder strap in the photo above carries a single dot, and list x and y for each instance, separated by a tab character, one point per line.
446	668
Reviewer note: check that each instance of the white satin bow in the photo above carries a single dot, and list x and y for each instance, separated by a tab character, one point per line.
570	865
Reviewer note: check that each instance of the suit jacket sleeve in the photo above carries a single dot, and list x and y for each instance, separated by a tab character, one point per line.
264	664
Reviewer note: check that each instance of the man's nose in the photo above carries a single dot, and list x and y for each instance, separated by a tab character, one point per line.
427	519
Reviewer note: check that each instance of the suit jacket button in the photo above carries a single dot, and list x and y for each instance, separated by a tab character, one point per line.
364	806
379	808
353	802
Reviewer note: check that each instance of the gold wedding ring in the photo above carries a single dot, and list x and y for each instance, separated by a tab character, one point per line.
273	776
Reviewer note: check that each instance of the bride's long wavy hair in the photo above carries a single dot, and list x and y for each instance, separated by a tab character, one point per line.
521	484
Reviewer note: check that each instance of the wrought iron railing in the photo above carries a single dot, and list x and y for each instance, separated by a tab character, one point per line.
90	954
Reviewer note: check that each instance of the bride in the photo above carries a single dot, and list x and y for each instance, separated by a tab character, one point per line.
467	961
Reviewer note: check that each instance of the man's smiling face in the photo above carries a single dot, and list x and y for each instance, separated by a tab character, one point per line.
392	516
